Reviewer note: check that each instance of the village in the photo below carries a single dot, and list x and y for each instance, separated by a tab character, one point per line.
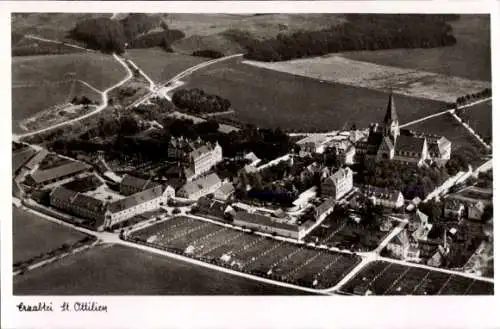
318	196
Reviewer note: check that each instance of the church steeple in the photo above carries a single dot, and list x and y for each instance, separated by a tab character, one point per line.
391	123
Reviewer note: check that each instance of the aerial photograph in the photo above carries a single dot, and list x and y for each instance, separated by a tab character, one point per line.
251	154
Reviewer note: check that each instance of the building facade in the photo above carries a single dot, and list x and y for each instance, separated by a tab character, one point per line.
203	158
200	187
266	224
384	197
338	184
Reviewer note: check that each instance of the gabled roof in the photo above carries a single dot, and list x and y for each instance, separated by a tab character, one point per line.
201	184
63	194
263	220
198	152
409	144
136	182
339	175
20	157
67	169
135	199
88	202
225	189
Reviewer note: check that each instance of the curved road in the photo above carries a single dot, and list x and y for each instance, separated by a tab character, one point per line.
104	104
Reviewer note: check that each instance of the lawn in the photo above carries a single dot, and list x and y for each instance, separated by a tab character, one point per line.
479	118
119	270
273	99
31	99
446	125
469	58
33	235
99	70
161	66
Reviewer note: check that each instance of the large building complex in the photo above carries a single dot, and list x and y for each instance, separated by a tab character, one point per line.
388	142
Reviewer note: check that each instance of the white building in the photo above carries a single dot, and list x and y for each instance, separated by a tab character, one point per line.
267	224
338	184
138	203
383	196
203	158
202	186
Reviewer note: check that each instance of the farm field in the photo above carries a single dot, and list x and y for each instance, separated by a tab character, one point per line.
29	100
480	118
99	70
470	58
161	66
383	278
446	125
274	99
408	82
33	235
249	253
120	270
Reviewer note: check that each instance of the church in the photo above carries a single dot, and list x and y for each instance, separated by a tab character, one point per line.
388	142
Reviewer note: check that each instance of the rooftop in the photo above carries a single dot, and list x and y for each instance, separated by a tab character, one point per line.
201	183
72	168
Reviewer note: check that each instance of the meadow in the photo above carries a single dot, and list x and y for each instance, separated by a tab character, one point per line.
30	99
120	270
99	70
159	65
33	235
469	58
408	82
480	118
273	99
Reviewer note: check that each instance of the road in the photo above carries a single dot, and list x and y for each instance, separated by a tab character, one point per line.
452	111
102	106
34	37
179	76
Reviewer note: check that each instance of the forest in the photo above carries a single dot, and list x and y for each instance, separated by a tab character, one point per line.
109	35
360	32
197	101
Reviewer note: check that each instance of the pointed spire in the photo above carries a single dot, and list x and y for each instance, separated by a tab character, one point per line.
390	114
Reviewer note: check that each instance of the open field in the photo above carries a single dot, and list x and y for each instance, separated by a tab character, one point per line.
470	58
119	270
383	278
33	235
480	118
271	99
159	65
409	82
49	25
99	70
248	252
31	99
446	125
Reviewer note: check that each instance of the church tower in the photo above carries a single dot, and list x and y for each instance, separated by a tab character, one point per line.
390	125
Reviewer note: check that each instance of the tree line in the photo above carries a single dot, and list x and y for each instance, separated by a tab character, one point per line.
198	101
470	98
360	32
209	53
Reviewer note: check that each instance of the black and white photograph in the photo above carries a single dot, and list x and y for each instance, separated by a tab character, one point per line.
250	154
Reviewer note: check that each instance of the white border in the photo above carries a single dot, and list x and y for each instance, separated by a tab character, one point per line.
241	312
